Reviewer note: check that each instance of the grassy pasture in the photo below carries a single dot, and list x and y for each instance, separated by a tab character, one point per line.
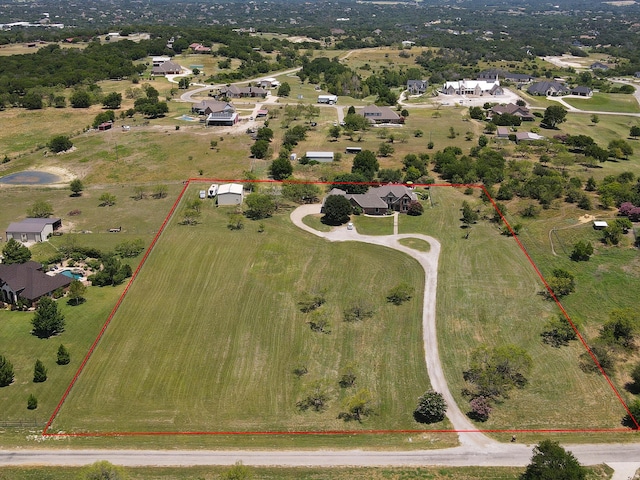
606	102
231	363
491	298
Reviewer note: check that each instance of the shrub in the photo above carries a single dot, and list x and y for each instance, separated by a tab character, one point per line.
400	293
39	372
431	408
32	402
63	357
480	409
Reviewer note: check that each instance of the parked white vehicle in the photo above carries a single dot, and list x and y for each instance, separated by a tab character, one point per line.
213	190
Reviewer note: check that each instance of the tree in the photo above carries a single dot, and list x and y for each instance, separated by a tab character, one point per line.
281	168
107	200
47	321
621	328
260	148
39	372
130	248
315	397
103	470
431	408
385	149
259	206
595	119
32	101
284	90
561	283
112	100
80	99
15	252
493	372
32	402
558	332
334	132
160	191
634	131
620	148
635	376
469	216
582	251
552	462
357	406
76	187
63	357
480	409
113	272
237	472
366	164
347	377
59	143
415	209
300	192
400	293
337	210
554	115
6	372
264	133
184	83
77	289
612	234
351	182
40	209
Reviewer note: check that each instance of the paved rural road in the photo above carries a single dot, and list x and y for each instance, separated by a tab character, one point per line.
429	262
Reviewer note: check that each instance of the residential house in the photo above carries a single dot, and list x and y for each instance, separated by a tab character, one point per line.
548	89
496	74
376	114
512	109
33	229
199	48
379	200
167	68
269	83
27	281
157	61
233	91
582	91
527	137
205	107
407	43
417	87
599	66
473	87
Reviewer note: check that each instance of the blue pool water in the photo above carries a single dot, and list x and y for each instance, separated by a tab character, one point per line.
30	177
70	274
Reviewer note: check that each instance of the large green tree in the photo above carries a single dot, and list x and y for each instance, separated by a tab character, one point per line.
40	209
47	321
77	289
259	205
76	186
281	168
337	210
60	143
366	164
554	115
15	252
552	462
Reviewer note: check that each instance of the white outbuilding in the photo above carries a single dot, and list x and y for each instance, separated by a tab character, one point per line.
230	194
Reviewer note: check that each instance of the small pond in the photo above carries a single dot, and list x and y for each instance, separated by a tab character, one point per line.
30	177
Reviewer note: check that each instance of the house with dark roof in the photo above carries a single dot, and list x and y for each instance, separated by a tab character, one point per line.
167	68
599	66
233	91
379	200
28	282
582	91
32	229
417	87
376	114
205	107
512	109
496	74
548	89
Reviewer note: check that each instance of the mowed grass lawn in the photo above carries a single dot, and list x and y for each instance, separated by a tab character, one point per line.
210	332
488	295
606	102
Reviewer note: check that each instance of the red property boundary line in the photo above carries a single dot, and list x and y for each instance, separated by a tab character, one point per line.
187	183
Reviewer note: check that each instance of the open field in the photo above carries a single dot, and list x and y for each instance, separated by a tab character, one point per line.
226	355
606	102
257	473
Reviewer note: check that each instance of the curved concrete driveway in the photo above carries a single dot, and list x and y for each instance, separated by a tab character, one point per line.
468	435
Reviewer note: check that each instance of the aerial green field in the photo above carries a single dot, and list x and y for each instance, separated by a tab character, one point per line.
606	102
235	335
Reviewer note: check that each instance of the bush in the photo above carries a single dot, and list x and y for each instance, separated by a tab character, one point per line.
59	143
39	372
400	294
63	357
32	402
480	409
431	408
6	372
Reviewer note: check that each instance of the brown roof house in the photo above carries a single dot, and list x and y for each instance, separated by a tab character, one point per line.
513	109
167	68
379	200
376	114
233	91
28	282
33	229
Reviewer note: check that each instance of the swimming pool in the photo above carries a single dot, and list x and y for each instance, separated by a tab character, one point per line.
71	274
